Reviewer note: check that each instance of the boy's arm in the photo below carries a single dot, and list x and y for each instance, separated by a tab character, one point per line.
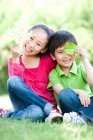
57	88
87	65
54	82
89	71
84	98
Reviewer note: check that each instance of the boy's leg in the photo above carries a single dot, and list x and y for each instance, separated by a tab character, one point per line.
32	112
87	112
18	89
70	102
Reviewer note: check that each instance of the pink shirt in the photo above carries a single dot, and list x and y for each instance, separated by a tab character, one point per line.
35	78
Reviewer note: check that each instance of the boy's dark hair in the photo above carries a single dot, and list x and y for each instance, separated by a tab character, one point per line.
59	38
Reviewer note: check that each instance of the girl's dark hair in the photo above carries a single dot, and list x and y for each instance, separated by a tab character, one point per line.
42	26
46	29
58	39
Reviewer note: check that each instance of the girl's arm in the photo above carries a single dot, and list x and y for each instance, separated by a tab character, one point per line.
14	67
87	65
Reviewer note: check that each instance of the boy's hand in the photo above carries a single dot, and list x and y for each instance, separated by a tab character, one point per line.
84	98
15	54
82	52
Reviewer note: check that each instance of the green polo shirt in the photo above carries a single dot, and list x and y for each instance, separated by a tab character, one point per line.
75	80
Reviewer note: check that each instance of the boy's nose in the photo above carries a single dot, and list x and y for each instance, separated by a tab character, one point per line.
66	56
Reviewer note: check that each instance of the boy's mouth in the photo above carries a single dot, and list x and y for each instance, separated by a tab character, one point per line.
67	61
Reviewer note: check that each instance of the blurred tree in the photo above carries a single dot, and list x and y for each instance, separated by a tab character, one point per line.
16	16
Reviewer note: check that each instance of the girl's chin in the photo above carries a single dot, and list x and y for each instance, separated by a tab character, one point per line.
27	54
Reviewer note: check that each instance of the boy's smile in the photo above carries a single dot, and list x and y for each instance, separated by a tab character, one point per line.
63	59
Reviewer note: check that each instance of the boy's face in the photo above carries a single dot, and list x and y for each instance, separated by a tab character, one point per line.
63	59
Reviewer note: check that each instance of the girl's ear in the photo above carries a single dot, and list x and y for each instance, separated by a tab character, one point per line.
44	50
52	56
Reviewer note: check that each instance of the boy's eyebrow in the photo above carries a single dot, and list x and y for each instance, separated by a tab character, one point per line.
59	48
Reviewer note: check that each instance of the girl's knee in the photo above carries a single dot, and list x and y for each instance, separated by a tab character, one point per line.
13	80
36	112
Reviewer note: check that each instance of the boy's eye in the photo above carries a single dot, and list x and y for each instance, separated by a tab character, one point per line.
59	52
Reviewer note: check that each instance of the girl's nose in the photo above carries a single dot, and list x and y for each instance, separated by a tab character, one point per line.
32	44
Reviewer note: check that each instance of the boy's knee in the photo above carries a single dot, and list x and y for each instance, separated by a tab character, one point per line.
65	94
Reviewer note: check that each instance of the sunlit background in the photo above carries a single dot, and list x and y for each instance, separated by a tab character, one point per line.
17	15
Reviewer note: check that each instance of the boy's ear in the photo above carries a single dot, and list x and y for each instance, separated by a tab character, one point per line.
52	56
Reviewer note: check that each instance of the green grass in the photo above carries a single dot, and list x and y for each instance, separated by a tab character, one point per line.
26	130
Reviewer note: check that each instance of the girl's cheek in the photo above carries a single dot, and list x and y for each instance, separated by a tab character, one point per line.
26	39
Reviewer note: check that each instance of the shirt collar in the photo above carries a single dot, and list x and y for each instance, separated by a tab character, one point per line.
72	70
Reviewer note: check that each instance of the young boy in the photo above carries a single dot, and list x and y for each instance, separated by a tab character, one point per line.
69	80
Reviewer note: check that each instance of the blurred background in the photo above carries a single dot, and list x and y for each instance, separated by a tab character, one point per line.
17	15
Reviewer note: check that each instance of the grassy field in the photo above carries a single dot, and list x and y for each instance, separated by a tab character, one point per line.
26	130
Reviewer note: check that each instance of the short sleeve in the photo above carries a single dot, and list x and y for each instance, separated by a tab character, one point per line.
53	79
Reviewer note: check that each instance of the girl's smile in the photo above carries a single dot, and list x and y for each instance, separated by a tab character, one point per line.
35	42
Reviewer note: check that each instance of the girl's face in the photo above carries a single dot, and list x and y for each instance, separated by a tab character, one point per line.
35	42
63	59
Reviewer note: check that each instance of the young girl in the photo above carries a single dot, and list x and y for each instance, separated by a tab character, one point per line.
27	85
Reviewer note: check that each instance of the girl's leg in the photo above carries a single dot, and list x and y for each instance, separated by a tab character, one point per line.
70	102
32	112
18	90
17	103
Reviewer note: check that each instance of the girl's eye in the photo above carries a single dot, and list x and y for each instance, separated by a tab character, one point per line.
31	38
38	44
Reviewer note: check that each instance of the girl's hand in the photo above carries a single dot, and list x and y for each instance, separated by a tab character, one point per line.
82	52
84	98
16	54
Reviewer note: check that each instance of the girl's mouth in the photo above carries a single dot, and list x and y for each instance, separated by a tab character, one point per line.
28	48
